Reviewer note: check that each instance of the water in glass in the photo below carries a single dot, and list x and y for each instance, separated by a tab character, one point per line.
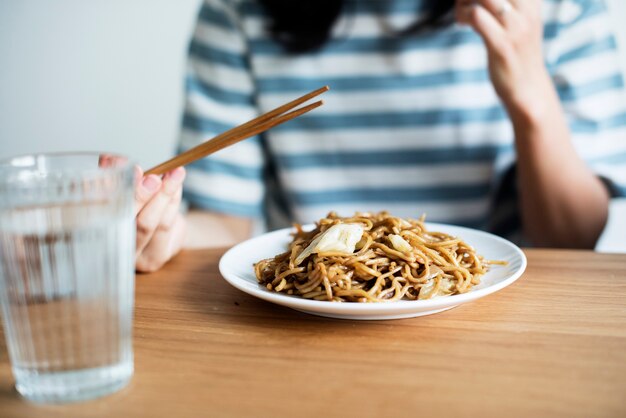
66	287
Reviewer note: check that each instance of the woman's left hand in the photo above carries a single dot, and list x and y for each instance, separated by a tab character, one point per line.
513	34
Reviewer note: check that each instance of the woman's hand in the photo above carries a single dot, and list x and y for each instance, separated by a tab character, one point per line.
160	225
513	34
562	202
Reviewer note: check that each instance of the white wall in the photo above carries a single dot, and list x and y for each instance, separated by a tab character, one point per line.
92	75
103	75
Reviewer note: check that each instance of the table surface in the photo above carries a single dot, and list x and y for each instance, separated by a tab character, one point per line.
552	344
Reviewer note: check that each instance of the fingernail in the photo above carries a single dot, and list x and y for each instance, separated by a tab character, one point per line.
151	183
178	174
173	180
105	161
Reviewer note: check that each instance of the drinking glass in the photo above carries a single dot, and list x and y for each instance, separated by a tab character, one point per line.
67	242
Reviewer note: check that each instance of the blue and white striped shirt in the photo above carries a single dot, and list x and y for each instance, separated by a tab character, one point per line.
411	124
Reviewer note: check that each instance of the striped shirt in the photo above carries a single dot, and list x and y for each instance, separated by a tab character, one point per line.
411	125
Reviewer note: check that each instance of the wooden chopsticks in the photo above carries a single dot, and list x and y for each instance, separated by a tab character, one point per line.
253	127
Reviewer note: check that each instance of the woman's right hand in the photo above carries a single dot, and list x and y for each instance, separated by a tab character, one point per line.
160	225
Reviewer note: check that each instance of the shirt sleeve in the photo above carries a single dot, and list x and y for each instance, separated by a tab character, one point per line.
219	96
584	63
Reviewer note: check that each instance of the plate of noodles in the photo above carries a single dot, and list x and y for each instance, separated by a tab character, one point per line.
372	266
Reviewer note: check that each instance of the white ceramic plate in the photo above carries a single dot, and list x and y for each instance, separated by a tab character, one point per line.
236	267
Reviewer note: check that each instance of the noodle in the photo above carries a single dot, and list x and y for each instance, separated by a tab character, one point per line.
394	259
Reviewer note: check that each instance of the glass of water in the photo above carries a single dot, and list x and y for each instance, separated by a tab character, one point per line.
67	244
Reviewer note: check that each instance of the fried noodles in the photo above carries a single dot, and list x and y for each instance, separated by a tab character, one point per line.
394	259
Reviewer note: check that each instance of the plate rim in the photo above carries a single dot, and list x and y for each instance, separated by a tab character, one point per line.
390	307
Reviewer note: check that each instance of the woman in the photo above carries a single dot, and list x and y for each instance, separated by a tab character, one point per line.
511	121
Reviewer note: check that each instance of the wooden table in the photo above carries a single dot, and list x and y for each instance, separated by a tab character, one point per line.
552	344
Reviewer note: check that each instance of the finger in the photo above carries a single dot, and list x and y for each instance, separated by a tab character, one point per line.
104	160
165	241
173	183
503	10
110	160
167	238
145	189
525	5
168	217
487	26
517	4
173	208
461	13
150	217
162	249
